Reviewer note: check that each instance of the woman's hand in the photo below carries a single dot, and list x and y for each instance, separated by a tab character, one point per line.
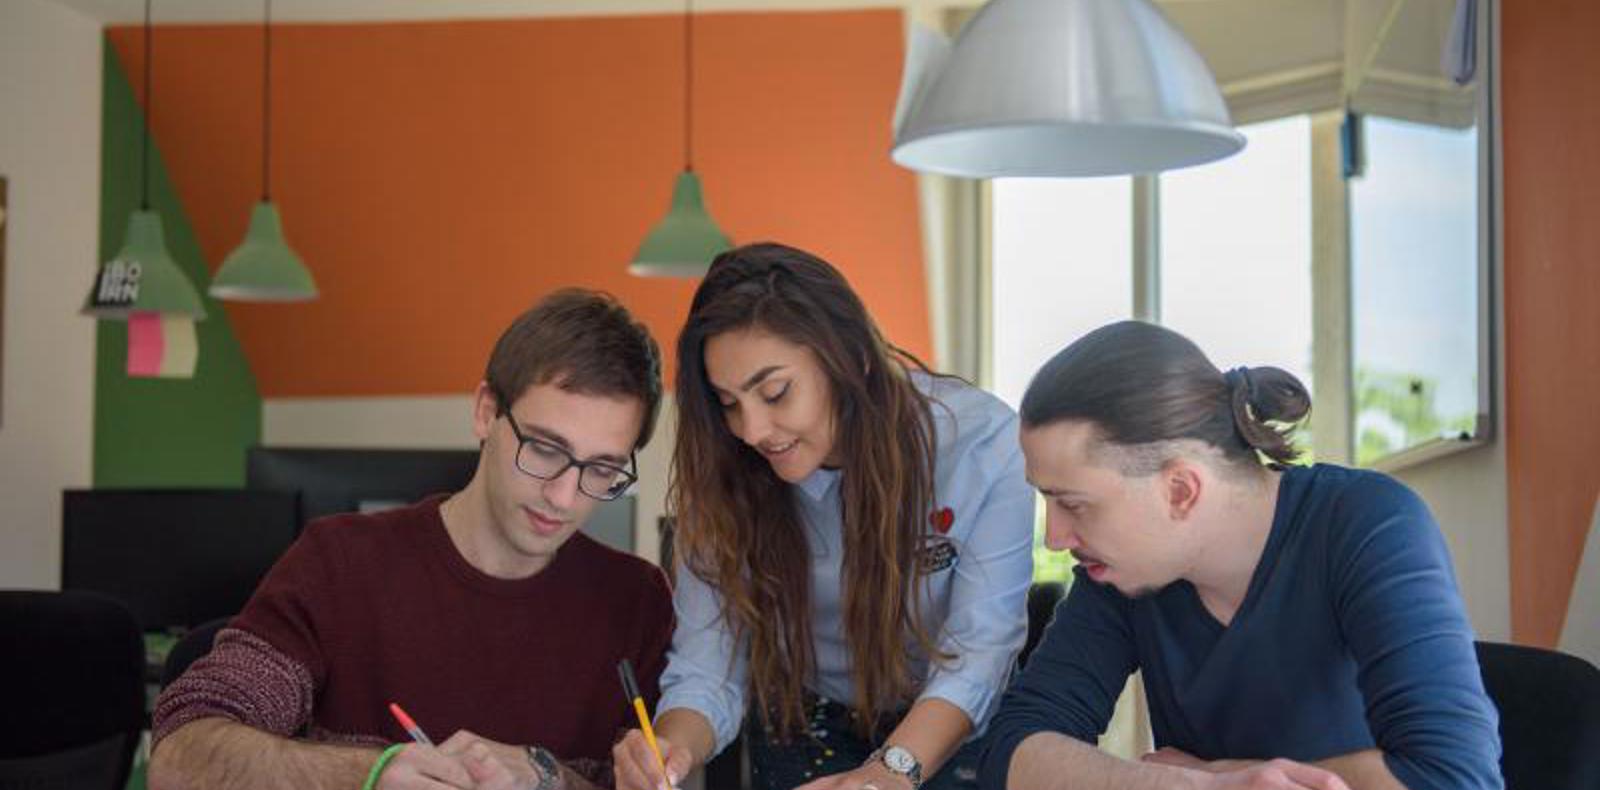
872	776
635	766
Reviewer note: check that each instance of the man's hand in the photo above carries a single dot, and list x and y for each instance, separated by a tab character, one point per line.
419	767
1276	775
635	766
872	776
492	765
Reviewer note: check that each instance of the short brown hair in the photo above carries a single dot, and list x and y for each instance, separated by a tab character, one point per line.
583	341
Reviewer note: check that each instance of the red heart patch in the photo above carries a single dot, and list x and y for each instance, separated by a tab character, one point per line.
941	519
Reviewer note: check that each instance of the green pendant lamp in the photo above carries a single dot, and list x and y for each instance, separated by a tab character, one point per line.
143	277
264	268
683	243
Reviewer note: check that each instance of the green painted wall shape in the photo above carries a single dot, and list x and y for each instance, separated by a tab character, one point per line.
163	432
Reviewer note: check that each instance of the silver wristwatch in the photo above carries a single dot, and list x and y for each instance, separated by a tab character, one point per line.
899	761
545	765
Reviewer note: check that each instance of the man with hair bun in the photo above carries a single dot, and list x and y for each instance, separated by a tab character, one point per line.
1296	626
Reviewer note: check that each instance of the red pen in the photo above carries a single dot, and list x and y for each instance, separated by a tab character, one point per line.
410	725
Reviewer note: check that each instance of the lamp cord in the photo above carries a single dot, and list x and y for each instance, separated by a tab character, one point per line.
266	104
688	85
149	115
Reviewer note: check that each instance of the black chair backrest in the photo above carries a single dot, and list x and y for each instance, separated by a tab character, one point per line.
1549	716
75	664
193	645
1042	600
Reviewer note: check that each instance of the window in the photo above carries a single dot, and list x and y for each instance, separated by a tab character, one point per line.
1414	286
1062	250
1235	240
1061	267
1235	257
1234	272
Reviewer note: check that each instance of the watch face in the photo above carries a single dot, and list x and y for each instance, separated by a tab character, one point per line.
899	760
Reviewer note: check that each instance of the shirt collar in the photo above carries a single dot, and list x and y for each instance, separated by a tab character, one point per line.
819	483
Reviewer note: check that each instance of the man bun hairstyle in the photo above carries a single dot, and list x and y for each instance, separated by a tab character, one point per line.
1267	402
582	341
1140	384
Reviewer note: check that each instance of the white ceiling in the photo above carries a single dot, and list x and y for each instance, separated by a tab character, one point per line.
119	12
1254	47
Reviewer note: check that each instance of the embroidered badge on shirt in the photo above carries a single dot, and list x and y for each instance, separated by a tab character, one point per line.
939	552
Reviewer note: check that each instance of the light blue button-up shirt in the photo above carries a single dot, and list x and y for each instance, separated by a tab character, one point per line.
976	606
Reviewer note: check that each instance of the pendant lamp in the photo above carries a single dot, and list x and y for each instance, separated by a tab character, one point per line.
143	277
263	268
1057	88
683	243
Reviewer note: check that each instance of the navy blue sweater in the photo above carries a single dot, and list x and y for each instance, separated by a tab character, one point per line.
1351	636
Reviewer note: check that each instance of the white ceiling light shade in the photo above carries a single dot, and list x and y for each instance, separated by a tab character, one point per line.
1056	88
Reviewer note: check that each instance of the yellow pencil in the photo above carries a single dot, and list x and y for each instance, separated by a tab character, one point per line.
630	688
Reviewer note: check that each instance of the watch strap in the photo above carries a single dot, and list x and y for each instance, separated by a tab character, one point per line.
545	765
914	776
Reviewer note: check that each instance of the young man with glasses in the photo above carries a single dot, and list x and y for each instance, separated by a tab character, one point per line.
482	613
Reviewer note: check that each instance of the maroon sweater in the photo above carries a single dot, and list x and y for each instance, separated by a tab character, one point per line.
367	609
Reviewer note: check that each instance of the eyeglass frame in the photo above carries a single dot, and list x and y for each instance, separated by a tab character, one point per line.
631	473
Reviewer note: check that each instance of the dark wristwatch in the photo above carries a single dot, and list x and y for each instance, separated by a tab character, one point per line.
901	762
545	765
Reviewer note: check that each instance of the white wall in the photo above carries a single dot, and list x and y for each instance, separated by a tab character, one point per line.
1467	493
435	422
1581	633
50	71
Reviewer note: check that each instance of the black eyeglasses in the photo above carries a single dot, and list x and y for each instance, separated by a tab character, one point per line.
547	461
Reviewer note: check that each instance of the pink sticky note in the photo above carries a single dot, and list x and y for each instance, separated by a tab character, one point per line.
145	344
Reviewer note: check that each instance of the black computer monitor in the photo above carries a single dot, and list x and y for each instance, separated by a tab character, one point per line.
349	480
177	557
340	480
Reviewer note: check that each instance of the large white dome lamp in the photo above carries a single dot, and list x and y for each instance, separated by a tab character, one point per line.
1056	88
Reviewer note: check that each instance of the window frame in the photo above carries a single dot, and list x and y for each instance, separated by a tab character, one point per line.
1332	359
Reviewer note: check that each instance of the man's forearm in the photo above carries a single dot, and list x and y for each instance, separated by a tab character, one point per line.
1363	770
1052	761
220	754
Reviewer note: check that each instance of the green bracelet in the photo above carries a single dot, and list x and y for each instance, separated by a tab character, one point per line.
377	767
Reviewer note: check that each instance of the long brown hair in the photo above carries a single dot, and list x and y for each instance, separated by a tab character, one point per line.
738	526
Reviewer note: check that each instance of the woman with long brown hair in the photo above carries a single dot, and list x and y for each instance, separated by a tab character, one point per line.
854	540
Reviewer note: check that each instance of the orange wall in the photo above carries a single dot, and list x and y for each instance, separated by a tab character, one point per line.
1550	110
439	177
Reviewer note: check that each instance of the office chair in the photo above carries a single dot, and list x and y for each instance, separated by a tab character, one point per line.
190	647
1549	716
1042	600
75	706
